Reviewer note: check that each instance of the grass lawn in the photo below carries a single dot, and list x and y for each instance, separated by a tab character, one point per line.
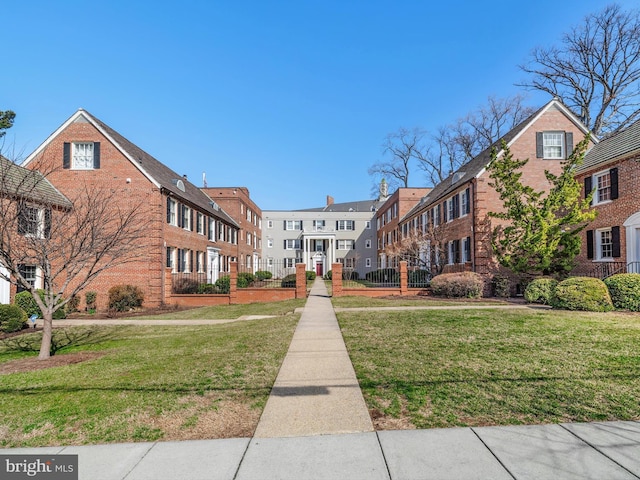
490	367
231	311
357	302
144	383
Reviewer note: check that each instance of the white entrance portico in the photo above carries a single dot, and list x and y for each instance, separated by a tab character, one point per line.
319	249
632	227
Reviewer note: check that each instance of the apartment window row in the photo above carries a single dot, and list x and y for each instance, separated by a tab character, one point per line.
183	260
318	224
603	243
604	186
459	251
183	216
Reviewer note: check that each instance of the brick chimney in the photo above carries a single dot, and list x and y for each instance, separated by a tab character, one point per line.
329	200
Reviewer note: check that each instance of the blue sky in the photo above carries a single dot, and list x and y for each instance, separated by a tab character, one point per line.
292	99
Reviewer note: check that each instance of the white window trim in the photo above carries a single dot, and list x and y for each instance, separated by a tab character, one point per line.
598	245
544	145
596	190
89	160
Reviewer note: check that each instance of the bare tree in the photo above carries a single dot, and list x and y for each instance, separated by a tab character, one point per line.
402	147
69	241
595	71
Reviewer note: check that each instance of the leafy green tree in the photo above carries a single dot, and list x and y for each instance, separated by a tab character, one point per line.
541	233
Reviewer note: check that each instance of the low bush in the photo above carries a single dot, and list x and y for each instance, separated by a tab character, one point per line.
263	275
28	304
223	284
90	300
311	275
289	281
12	318
419	278
541	290
125	297
462	284
207	288
582	293
328	275
73	304
501	286
185	286
624	289
245	279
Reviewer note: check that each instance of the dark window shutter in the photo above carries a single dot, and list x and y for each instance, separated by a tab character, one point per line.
456	206
539	145
467	249
47	223
588	186
168	210
66	155
456	251
285	225
179	269
467	195
615	240
613	175
23	222
568	141
590	244
285	244
445	212
193	213
168	264
96	155
191	260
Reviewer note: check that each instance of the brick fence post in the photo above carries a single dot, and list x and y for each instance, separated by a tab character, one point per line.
336	279
168	286
301	280
233	282
404	278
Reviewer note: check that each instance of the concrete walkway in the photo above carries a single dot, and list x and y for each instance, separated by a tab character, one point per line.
316	391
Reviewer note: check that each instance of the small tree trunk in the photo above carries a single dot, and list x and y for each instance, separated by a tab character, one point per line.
47	330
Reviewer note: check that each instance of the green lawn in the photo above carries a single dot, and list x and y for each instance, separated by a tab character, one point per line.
150	383
231	311
490	367
357	302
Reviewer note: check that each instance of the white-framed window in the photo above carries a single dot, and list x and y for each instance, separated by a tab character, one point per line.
465	208
450	209
436	215
367	262
171	263
367	225
602	184
292	244
241	208
553	145
346	244
186	217
82	156
319	225
293	225
172	216
200	262
248	238
200	223
269	223
31	274
269	242
212	229
221	231
34	222
345	225
248	215
367	243
269	262
289	262
604	244
466	250
319	245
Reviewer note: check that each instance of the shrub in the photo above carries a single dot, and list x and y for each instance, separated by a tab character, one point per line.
541	290
311	275
207	288
90	300
245	279
419	278
462	284
223	284
73	304
501	286
582	293
125	297
289	281
185	286
263	275
328	275
27	303
624	289
12	318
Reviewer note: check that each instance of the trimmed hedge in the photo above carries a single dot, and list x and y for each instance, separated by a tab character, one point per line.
541	290
311	275
462	284
27	303
289	281
12	318
582	293
624	289
223	284
263	275
245	279
125	297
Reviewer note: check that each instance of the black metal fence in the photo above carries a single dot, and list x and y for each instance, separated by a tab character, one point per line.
604	270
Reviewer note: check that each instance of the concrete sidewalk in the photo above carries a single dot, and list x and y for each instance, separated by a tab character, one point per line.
316	391
595	451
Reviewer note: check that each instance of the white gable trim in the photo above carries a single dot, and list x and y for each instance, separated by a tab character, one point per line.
89	118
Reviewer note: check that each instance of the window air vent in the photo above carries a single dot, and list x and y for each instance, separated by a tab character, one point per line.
456	177
179	183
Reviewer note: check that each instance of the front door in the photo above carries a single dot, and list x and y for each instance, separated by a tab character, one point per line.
319	272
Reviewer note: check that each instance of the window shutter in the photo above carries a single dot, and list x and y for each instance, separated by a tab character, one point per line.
588	186
66	155
456	251
615	240
168	210
179	269
445	212
47	223
613	175
539	145
285	225
22	220
467	249
568	141
589	244
467	194
456	206
96	155
191	225
191	260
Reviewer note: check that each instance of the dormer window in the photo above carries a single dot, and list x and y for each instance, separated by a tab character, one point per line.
81	155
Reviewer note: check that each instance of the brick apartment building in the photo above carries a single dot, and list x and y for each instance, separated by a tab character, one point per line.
388	217
611	171
457	208
236	201
188	232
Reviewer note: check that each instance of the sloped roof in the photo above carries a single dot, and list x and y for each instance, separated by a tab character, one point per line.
621	144
153	169
20	182
477	164
358	206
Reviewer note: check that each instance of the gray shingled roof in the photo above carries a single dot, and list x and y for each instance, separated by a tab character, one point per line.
163	175
619	145
20	182
358	206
